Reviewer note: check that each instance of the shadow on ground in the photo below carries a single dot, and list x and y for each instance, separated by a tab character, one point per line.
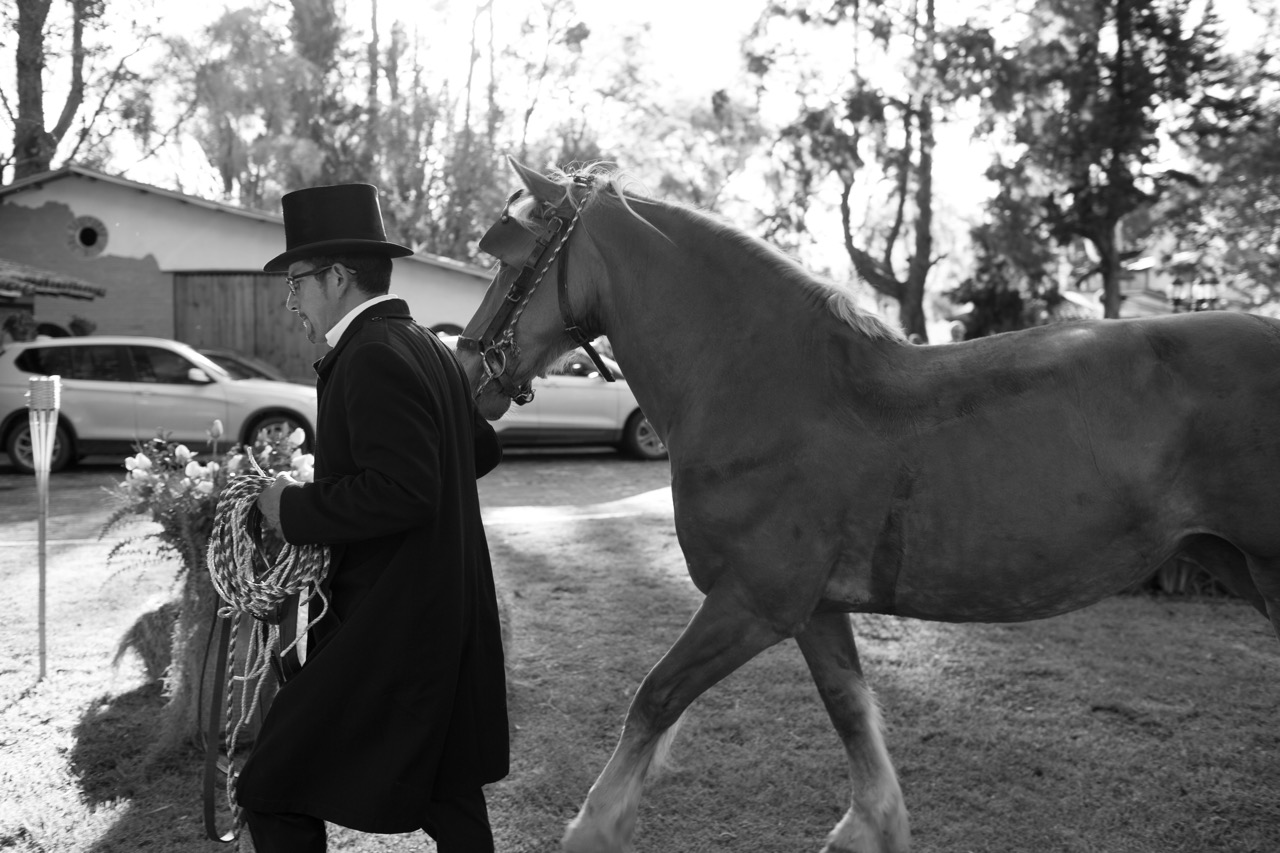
113	761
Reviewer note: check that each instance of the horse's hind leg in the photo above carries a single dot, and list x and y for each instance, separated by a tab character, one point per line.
877	819
722	636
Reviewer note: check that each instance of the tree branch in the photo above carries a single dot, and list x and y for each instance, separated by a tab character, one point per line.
1096	269
113	80
902	188
8	108
874	273
75	94
168	134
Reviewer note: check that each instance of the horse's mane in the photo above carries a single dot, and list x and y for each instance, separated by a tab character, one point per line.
603	182
836	297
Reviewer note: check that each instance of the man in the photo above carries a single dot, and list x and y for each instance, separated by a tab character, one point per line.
398	716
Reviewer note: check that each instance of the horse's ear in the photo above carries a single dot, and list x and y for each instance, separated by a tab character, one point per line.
543	188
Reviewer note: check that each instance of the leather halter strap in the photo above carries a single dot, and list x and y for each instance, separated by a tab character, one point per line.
579	335
514	245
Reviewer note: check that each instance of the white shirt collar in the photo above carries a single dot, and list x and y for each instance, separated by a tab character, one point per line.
335	334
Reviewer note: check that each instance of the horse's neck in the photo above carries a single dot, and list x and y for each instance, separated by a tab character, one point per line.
706	330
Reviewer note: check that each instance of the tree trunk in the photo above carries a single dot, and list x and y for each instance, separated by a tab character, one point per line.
32	145
1109	264
372	143
911	311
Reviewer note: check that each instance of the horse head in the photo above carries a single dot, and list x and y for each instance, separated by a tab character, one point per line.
532	313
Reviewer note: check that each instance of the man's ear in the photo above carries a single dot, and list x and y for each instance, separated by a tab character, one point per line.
541	187
346	280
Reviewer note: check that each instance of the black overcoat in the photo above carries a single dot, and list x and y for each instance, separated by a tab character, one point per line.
403	695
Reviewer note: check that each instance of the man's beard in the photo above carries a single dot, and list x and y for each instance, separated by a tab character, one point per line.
309	328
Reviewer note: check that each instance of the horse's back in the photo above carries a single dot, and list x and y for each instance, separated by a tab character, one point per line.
1087	451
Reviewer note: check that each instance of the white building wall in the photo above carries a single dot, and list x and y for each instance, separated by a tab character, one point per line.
179	235
188	236
436	295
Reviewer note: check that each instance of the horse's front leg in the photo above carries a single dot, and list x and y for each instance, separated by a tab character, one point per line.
877	818
722	636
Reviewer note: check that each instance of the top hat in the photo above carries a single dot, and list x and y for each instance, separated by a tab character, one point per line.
335	220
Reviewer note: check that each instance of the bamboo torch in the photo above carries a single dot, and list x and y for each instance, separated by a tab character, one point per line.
43	398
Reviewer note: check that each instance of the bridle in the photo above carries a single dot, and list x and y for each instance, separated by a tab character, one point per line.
509	242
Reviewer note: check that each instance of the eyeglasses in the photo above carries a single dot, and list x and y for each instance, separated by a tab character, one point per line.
292	280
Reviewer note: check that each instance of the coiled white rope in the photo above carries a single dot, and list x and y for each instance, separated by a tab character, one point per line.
249	583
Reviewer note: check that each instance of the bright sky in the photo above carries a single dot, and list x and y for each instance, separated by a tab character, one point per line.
698	40
694	48
693	45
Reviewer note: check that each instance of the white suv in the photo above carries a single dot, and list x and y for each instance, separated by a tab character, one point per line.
118	391
573	404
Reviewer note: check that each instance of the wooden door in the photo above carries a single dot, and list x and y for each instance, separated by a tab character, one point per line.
244	312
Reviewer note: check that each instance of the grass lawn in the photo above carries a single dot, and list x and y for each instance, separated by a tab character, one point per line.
1140	725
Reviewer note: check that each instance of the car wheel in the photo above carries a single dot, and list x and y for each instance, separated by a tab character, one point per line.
640	440
21	449
276	426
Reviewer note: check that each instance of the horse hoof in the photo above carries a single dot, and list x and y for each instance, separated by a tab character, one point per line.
891	834
584	837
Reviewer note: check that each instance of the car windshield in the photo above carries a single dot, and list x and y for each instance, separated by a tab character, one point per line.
243	367
207	364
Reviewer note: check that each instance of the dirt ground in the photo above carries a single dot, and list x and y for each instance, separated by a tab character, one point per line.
1140	725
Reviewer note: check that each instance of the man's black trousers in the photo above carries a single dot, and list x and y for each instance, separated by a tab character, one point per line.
459	825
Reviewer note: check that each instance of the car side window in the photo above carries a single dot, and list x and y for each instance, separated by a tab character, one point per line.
153	364
45	361
97	362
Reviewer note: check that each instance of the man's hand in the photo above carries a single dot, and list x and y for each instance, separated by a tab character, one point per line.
269	500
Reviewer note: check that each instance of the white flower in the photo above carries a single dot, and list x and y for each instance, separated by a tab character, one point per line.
215	429
304	467
234	463
212	468
297	437
181	453
194	470
138	463
205	487
139	474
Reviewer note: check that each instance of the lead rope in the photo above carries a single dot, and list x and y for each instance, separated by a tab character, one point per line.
234	555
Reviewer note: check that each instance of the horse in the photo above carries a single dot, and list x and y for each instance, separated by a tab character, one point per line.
821	465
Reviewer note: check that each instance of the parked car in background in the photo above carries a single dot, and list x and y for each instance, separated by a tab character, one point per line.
242	366
574	405
118	391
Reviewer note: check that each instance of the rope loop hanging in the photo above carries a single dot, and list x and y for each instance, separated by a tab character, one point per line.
250	583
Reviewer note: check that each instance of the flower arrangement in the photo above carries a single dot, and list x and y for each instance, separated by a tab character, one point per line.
169	484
